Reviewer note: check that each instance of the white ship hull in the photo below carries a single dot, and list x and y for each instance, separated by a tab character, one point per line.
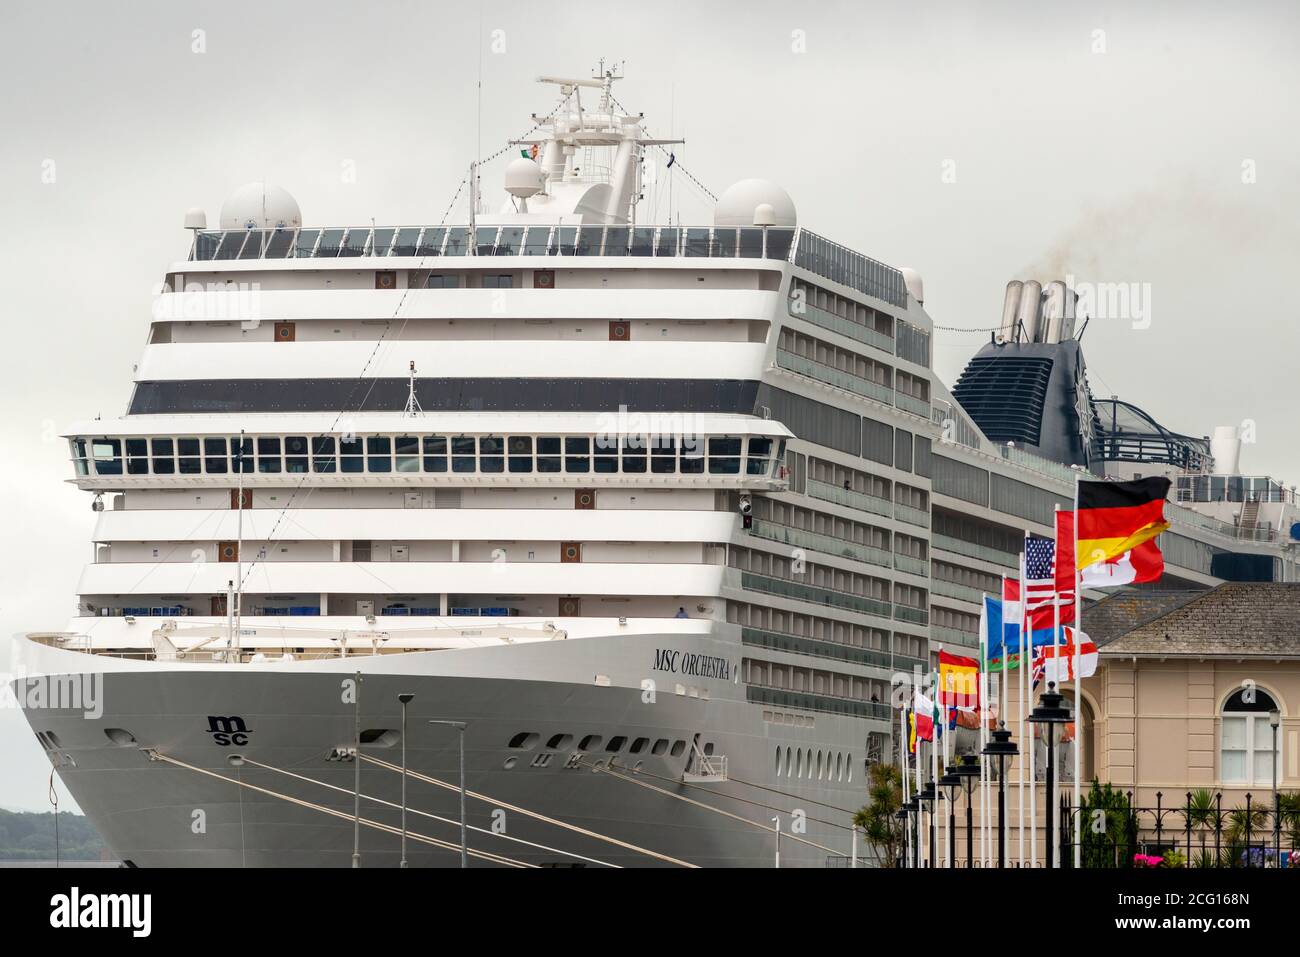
193	808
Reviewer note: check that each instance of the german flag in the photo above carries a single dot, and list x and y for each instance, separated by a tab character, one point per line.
1114	517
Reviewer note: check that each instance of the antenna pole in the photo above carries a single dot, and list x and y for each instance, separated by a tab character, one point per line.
412	403
473	205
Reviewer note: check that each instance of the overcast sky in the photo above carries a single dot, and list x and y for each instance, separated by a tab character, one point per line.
977	142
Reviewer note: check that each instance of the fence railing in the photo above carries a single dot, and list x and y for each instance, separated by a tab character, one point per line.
1196	830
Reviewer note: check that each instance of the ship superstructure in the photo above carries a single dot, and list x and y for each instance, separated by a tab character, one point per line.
655	511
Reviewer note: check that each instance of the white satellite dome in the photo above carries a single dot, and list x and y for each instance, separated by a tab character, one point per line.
260	206
523	178
739	205
915	286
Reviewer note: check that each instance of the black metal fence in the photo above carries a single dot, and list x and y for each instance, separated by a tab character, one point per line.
1198	829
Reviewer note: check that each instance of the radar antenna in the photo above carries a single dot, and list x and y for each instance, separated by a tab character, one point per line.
412	403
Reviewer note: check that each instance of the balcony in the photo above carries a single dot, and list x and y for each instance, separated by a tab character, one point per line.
940	634
834	377
908	403
821	648
799	309
984	553
954	590
815	594
805	701
816	541
917	616
875	504
912	516
913	566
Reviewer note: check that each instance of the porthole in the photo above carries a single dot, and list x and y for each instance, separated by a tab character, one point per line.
708	750
819	765
616	743
590	743
849	762
558	742
660	746
798	768
789	762
678	748
524	740
638	745
839	766
778	762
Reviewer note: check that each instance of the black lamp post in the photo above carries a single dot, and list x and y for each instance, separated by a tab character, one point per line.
1051	713
968	771
901	816
1002	748
927	798
951	782
912	808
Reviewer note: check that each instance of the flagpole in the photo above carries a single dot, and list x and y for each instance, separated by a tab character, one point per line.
980	707
1050	797
1026	662
1020	717
903	747
1003	700
1077	813
934	755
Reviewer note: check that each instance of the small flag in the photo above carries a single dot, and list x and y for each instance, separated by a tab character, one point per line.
1116	517
1057	663
958	682
1141	564
1040	584
1063	566
923	716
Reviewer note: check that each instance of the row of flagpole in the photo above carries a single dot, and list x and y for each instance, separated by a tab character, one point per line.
916	845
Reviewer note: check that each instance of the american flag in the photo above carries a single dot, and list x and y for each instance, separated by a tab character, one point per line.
1040	579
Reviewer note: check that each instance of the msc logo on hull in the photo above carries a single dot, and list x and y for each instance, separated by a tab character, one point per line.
227	731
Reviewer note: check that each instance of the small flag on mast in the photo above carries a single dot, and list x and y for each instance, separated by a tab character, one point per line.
1117	517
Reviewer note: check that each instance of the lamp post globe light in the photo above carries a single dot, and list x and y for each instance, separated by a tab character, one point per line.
1002	748
1050	712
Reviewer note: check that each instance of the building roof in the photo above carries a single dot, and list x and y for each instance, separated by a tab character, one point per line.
1233	620
1121	612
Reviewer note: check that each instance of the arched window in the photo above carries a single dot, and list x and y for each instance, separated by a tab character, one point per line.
1246	740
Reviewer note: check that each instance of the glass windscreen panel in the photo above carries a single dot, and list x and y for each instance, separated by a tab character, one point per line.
724	242
382	240
616	240
511	241
778	242
431	244
408	239
589	241
643	242
484	239
668	242
253	244
279	244
231	243
356	242
751	244
566	237
697	242
330	242
457	241
305	244
537	242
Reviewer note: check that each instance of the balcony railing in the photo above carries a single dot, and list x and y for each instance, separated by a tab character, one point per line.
815	594
913	516
909	403
806	701
819	542
954	590
875	504
917	616
857	331
836	377
914	566
820	648
971	550
953	636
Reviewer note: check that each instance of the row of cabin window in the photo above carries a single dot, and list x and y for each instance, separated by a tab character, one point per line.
489	454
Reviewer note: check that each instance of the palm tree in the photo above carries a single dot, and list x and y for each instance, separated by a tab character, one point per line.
876	820
1202	815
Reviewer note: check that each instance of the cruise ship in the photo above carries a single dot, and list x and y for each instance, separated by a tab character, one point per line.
613	535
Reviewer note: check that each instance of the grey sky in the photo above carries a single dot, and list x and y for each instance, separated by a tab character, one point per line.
1117	166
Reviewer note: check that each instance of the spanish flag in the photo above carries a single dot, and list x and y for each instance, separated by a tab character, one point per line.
958	682
1115	517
